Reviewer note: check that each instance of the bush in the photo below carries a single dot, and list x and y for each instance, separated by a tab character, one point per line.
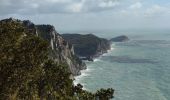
26	72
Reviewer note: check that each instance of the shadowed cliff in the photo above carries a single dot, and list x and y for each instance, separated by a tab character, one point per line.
88	45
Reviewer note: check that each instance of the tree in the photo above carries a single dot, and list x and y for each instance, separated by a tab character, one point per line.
22	55
27	73
104	94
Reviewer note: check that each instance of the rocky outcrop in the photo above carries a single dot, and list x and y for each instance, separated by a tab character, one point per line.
87	46
60	50
122	38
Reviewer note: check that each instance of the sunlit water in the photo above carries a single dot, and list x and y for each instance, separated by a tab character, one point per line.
138	69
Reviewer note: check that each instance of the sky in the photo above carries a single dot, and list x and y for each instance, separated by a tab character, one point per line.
90	15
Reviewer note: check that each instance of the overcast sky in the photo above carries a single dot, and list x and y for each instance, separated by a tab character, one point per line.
67	15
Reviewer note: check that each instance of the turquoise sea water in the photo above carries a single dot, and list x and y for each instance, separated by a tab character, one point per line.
138	69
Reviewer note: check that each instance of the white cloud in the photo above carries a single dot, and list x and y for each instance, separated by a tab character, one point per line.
58	1
156	10
34	5
75	14
108	4
137	5
54	6
75	7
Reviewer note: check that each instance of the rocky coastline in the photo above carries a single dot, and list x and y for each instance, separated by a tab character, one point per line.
88	46
71	49
59	49
37	63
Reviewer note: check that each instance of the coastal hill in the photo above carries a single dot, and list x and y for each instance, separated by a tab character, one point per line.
35	65
59	50
87	46
121	38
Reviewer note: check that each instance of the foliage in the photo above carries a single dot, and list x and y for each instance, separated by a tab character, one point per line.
20	65
102	94
42	31
26	72
86	45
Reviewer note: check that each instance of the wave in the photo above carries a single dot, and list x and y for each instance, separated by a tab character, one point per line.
85	73
109	51
96	60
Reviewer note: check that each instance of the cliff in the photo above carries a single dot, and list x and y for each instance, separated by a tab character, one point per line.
60	50
28	73
87	46
121	38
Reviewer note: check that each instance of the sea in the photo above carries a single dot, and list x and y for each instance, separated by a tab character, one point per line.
138	69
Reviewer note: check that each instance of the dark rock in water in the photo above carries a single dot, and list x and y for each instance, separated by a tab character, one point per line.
89	58
87	46
86	58
122	38
60	50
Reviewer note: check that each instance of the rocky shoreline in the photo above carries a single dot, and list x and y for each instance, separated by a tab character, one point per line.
59	49
88	46
37	63
71	49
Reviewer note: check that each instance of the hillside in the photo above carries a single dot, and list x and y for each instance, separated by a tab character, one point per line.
59	49
29	72
88	45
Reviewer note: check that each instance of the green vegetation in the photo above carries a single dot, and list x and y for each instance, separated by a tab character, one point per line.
43	29
102	94
27	73
62	50
87	45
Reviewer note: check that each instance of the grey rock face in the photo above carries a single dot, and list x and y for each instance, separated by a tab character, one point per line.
87	46
60	50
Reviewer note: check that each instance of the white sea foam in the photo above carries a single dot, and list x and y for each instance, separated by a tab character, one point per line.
131	81
109	51
85	73
112	48
96	59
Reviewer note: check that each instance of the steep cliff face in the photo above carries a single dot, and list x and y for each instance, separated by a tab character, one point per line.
87	46
26	72
59	50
